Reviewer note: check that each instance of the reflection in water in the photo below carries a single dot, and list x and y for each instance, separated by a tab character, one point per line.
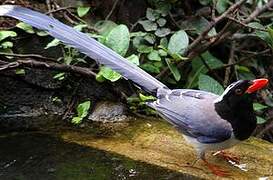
40	156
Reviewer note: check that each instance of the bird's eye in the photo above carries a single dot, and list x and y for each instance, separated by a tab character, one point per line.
238	91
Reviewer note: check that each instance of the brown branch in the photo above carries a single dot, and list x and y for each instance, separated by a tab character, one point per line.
112	10
197	41
28	56
245	25
230	60
253	54
258	11
196	48
52	66
59	9
250	18
210	70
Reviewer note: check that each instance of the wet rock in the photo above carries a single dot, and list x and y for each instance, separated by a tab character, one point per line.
106	111
158	143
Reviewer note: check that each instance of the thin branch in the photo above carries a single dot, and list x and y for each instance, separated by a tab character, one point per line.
198	40
230	60
247	58
258	11
112	10
210	70
28	56
52	66
59	9
245	25
48	3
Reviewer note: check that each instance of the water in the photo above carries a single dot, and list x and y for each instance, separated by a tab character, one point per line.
38	156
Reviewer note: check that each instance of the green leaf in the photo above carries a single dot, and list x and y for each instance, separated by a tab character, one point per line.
5	34
174	70
53	43
244	72
41	33
150	38
20	72
198	68
133	59
205	2
139	33
178	57
76	120
162	53
148	25
82	11
265	36
105	27
259	107
260	120
162	32
163	43
118	39
154	56
79	27
150	68
151	14
146	98
198	24
59	76
206	83
222	5
109	74
144	49
179	41
83	108
161	22
27	28
6	45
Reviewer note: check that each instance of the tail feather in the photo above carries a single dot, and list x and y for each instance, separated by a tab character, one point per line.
84	44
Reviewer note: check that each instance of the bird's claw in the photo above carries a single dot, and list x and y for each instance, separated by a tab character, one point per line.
216	170
228	156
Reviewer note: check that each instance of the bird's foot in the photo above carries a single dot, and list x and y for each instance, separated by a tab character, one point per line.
216	170
228	156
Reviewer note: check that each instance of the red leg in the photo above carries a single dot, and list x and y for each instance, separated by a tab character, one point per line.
216	170
228	156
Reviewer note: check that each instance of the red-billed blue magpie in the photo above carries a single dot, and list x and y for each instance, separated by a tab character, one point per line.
206	120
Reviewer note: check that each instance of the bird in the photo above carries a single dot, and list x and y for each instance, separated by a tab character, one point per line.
207	121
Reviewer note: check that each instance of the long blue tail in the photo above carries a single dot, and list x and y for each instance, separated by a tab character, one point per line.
84	44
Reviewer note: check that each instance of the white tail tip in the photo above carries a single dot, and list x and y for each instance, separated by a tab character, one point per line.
5	9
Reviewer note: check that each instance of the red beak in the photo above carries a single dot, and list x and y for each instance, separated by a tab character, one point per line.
257	85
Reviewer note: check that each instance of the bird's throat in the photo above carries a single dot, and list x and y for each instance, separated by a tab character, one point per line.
241	117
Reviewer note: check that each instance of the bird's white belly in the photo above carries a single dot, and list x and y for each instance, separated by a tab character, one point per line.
203	147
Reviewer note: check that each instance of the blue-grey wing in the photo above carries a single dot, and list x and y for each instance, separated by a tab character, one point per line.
192	112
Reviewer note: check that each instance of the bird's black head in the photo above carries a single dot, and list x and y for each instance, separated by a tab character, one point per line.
235	106
240	91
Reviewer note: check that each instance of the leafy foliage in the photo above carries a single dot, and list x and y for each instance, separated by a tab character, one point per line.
82	112
162	39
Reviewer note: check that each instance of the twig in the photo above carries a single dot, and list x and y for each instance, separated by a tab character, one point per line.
197	41
59	9
245	25
230	60
112	10
210	70
258	11
28	56
174	21
48	3
54	66
244	59
266	128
